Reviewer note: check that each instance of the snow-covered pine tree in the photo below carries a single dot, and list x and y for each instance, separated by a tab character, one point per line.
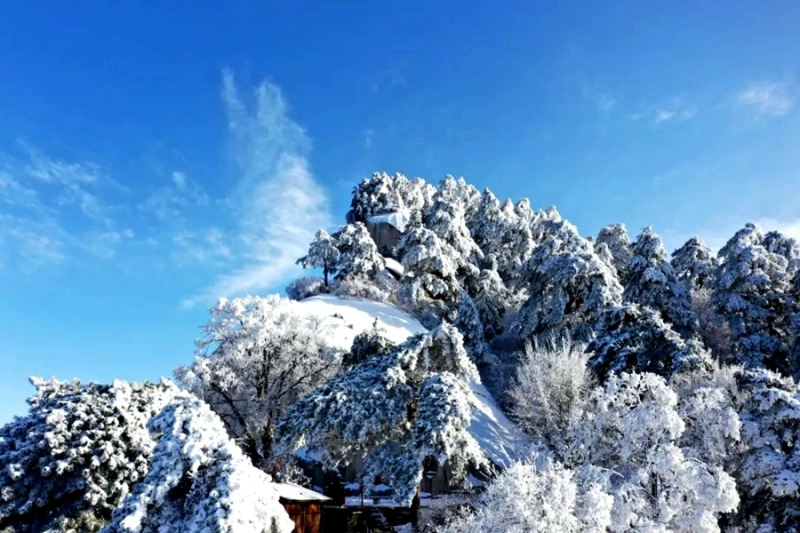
395	410
631	338
769	475
265	354
631	430
358	254
778	243
199	480
694	264
430	285
615	236
751	292
76	455
649	280
322	253
568	284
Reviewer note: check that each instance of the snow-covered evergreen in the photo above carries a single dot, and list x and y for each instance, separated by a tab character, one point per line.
752	294
650	281
395	410
616	239
694	264
322	253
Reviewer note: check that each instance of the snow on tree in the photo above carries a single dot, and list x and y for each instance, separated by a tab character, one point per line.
632	429
504	233
550	388
322	253
72	460
752	294
568	284
458	192
257	356
492	299
708	401
358	254
615	237
430	284
199	480
694	264
396	410
383	194
446	220
770	472
635	338
527	497
468	322
649	280
777	243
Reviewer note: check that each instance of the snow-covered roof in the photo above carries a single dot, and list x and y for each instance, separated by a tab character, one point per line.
399	219
394	266
296	493
501	441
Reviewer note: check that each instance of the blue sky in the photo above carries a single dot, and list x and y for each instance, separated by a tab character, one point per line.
154	157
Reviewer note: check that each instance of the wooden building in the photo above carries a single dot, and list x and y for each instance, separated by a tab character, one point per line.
304	507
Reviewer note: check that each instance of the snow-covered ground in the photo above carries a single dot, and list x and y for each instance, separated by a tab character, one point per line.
499	438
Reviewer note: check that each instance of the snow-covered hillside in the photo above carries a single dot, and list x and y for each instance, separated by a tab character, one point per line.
501	441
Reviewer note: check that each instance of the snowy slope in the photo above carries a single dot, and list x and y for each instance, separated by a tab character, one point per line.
499	438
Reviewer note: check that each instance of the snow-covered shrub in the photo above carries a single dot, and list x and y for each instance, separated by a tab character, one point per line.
631	428
550	387
305	287
75	456
266	353
397	410
528	497
199	480
379	288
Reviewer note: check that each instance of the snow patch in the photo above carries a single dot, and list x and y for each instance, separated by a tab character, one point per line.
398	219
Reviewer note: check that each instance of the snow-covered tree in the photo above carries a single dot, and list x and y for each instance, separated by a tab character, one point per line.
708	401
199	480
396	410
649	280
430	285
632	429
358	254
694	264
777	243
615	237
751	293
550	388
446	219
257	356
383	194
322	253
469	324
770	472
72	460
635	338
492	300
532	498
568	284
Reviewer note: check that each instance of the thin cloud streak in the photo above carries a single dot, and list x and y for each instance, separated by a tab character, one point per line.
279	203
768	98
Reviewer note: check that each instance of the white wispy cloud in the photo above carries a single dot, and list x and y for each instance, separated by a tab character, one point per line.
169	203
675	114
278	202
368	136
51	208
767	98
